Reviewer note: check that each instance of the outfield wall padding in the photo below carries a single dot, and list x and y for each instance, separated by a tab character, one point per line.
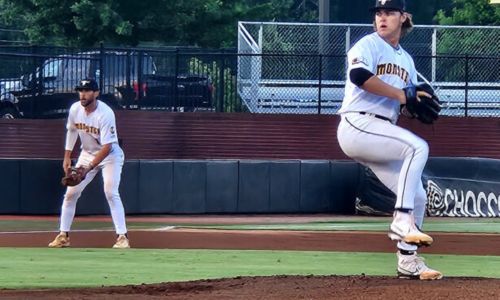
189	184
284	188
315	187
253	192
188	187
10	186
155	186
456	187
222	186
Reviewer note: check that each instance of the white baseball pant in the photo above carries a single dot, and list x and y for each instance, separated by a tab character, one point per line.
111	168
396	156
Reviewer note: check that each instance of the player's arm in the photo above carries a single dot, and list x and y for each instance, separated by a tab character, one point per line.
372	84
67	160
100	156
71	137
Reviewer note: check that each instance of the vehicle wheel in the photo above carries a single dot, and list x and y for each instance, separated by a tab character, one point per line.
8	113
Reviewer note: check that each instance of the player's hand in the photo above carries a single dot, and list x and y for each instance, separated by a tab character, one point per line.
402	97
66	165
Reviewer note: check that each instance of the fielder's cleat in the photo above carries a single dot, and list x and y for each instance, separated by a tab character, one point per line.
413	267
403	228
122	242
61	241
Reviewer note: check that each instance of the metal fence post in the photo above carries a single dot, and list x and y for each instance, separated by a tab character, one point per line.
466	108
139	77
236	105
176	102
221	91
101	68
128	70
433	53
320	82
34	82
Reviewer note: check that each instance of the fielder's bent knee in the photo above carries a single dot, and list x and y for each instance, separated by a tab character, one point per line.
112	196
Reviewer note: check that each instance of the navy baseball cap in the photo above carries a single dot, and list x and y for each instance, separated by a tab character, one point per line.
389	5
87	84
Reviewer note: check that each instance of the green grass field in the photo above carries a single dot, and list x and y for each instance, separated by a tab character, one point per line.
54	268
48	268
466	225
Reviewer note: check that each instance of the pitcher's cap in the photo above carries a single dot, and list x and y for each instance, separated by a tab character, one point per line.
389	5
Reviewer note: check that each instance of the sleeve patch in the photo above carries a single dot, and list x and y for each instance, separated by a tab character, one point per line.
359	60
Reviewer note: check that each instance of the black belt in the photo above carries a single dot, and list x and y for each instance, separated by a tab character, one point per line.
376	116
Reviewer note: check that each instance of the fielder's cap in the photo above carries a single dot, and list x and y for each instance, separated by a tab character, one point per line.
389	5
87	84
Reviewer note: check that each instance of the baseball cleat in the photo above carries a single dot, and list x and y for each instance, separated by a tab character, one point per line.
416	238
414	267
122	242
403	228
61	241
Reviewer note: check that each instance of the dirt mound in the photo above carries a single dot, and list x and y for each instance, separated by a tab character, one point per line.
284	287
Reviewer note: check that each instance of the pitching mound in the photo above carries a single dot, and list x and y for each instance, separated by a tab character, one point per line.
284	287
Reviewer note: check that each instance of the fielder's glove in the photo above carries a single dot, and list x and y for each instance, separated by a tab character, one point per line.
419	105
74	176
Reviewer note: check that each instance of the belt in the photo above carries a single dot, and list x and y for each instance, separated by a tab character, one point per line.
374	115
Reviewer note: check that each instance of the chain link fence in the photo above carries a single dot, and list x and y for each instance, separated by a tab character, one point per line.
280	68
300	68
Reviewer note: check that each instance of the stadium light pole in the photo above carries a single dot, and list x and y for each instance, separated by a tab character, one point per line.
324	11
324	17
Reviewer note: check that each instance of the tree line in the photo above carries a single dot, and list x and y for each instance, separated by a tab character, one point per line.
202	23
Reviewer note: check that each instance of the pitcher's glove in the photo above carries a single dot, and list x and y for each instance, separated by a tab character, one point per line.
419	105
73	176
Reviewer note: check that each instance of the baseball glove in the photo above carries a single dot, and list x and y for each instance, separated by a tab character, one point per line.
420	106
73	176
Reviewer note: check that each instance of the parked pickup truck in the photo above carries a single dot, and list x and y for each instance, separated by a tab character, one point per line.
157	92
128	80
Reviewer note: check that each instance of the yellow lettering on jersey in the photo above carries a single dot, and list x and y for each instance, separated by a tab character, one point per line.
88	129
381	69
393	69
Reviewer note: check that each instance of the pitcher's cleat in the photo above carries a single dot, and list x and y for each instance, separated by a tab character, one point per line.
122	242
61	241
403	228
413	267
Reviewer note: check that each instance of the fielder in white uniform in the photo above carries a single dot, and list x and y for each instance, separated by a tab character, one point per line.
378	71
94	122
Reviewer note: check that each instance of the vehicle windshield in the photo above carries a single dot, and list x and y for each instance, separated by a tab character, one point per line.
76	68
51	67
116	65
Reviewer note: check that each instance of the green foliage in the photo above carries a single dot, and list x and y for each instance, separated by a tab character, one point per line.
204	23
470	12
456	41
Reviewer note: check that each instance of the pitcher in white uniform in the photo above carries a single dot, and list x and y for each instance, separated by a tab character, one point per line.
378	71
94	122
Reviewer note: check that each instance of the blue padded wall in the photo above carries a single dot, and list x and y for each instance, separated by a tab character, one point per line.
222	186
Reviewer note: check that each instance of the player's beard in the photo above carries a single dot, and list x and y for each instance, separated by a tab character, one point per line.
86	102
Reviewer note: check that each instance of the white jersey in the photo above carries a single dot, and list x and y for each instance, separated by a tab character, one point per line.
95	129
392	65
